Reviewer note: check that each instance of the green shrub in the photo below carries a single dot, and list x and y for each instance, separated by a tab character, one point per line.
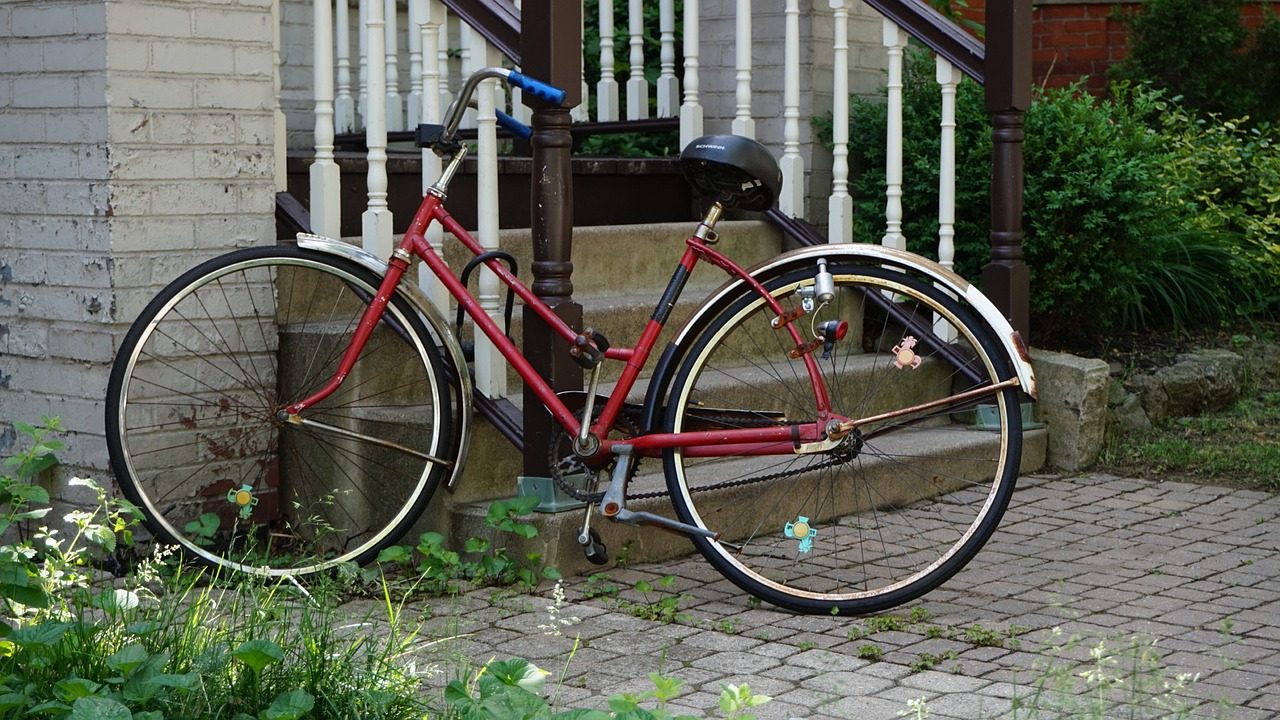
1198	50
1128	221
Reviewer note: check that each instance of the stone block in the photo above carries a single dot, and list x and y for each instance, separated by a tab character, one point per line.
1073	404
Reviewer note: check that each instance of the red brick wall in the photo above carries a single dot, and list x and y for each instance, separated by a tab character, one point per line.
1073	40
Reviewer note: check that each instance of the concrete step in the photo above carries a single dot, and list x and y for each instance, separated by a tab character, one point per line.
460	516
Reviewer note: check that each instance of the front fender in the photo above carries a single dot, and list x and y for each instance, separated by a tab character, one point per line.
463	413
1010	340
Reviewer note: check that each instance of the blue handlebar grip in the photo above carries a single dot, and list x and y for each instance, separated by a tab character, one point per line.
514	126
537	87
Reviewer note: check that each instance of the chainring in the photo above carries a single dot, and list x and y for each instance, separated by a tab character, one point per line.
564	463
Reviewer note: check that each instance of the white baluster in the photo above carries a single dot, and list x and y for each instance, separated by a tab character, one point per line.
895	41
344	108
948	78
607	87
637	85
391	51
690	109
579	113
433	17
840	204
791	201
742	122
362	77
326	182
668	85
376	220
442	57
491	369
470	39
413	103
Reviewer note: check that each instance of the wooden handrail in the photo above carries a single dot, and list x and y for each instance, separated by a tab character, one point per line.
497	20
941	35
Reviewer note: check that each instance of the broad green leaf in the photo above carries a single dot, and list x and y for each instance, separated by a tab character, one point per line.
14	573
581	714
520	673
71	689
476	545
127	658
290	706
30	596
258	654
99	708
45	634
12	701
114	601
395	553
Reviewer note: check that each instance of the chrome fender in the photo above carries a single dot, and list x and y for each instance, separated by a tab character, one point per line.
1015	348
463	410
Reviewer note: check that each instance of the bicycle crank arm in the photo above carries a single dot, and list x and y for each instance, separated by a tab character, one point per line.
294	419
628	517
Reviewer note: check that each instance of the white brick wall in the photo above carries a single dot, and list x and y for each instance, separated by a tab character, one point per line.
135	139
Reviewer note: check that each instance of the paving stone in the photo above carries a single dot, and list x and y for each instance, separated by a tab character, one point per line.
1194	569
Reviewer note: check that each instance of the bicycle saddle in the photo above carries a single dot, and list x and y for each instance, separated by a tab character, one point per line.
737	171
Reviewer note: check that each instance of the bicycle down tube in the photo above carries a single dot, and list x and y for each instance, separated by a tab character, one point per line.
746	441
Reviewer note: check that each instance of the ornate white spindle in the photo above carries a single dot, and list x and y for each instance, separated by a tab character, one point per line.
895	41
413	103
391	50
362	75
326	183
432	18
344	107
948	78
470	39
491	369
579	113
637	85
840	204
791	201
607	87
668	85
742	122
690	109
376	220
442	60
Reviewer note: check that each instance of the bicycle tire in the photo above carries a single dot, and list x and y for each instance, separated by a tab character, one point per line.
879	521
192	414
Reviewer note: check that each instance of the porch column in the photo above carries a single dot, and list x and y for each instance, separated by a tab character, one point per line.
551	51
1006	280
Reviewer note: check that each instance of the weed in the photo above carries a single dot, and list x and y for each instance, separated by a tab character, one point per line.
1124	677
870	651
599	585
929	661
660	604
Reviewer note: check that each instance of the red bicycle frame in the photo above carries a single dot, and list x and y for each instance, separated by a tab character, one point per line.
746	441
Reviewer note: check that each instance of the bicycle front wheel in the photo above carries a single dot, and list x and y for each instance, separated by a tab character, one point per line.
194	431
905	500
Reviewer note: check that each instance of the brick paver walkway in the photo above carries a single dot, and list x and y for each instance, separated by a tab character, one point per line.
1184	577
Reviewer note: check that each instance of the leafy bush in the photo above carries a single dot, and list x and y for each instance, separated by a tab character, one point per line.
1199	50
1134	214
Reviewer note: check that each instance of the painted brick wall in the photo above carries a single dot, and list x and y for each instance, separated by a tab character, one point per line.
135	138
1072	39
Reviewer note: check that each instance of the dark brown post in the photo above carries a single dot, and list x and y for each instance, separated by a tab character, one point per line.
551	50
1006	280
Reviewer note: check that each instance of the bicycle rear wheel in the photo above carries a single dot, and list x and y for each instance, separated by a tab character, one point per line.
192	414
898	507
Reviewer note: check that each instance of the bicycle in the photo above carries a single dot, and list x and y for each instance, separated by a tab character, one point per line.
281	410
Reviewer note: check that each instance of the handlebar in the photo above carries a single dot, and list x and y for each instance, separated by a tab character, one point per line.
537	88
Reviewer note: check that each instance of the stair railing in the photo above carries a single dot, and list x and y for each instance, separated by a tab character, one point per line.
430	31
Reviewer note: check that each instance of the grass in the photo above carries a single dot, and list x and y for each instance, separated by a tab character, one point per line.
1239	447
